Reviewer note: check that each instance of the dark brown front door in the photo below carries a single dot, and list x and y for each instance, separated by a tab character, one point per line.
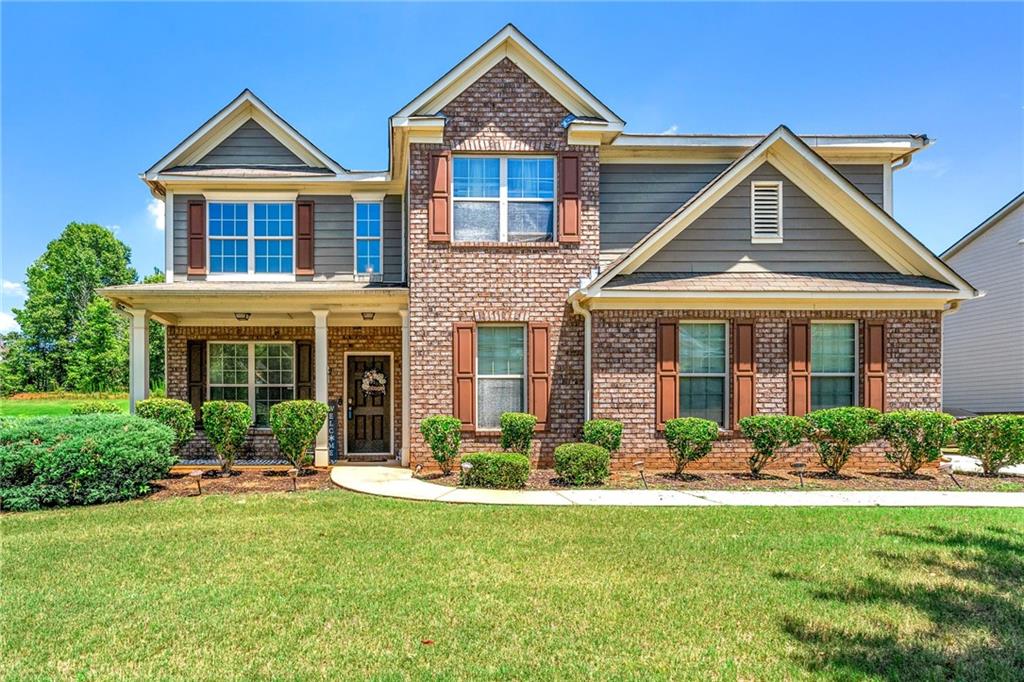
368	425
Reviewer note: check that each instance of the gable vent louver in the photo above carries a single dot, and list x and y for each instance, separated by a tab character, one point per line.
766	211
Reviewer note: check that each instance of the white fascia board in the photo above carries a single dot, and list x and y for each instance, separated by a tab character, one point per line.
353	176
900	143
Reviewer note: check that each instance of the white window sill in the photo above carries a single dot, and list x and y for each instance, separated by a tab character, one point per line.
259	277
766	240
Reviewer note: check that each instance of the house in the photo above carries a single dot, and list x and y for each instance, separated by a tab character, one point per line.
983	344
523	252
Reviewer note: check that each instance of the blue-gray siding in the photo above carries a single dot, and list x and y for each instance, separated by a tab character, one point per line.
250	145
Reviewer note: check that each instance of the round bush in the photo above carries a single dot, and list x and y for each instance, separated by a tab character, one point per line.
177	415
690	439
495	470
836	431
517	431
915	437
226	424
295	424
606	433
582	463
997	440
443	434
769	433
95	407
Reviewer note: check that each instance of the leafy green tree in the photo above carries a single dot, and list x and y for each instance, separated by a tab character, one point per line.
157	339
99	360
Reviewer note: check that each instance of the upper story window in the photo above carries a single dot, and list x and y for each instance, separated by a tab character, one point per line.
833	364
503	199
368	235
766	212
702	371
501	372
251	237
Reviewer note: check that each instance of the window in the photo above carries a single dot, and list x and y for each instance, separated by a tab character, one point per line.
251	237
702	372
766	212
368	238
833	365
506	199
501	372
259	374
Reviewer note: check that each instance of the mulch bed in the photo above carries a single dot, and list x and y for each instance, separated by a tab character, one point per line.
241	481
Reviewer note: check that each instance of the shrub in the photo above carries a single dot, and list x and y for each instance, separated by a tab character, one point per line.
95	407
177	415
517	431
915	437
443	434
60	461
995	439
295	424
582	463
836	431
606	433
689	439
768	433
226	425
495	470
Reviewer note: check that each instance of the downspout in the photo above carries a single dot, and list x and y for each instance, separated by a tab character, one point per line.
587	370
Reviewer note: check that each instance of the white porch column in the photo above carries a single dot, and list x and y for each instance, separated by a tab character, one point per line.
406	389
320	373
138	358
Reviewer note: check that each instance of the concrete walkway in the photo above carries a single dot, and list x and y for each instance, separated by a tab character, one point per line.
398	482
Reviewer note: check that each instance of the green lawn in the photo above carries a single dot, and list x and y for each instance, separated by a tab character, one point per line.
338	585
39	407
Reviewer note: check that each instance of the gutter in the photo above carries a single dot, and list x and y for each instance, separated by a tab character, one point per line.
587	357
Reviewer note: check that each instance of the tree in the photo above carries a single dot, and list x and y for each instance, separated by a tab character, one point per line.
157	338
99	361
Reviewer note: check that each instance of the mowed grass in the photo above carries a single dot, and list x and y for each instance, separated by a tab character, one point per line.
334	585
40	407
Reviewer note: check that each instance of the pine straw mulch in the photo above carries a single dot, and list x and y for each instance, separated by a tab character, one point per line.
180	484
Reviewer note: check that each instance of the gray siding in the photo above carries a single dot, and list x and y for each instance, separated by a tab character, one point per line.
982	351
867	177
250	145
181	234
719	241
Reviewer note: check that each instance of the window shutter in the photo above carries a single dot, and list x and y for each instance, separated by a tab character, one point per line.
765	209
439	208
304	370
666	393
799	367
744	369
304	229
539	371
196	237
874	364
569	197
464	374
196	371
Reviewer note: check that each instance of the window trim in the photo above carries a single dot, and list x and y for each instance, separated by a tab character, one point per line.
251	239
250	371
855	374
503	199
375	276
725	375
776	238
476	370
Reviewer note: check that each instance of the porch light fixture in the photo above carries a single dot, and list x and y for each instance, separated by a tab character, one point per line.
243	317
369	316
466	467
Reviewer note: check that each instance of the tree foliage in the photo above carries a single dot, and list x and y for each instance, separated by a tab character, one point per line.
99	360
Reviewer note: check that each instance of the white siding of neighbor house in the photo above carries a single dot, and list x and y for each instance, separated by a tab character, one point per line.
983	342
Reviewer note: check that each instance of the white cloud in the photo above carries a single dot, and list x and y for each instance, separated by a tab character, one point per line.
14	289
114	228
671	130
155	208
7	322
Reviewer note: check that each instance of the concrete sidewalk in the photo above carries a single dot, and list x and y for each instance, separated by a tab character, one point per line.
399	482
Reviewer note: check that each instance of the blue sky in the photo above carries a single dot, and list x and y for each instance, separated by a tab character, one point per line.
92	94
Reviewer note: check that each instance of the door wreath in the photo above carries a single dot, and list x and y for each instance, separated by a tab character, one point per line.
374	382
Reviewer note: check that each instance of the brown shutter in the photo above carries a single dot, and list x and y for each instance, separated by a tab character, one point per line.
196	237
666	392
539	374
304	229
874	364
304	370
799	367
196	352
568	197
439	208
744	369
464	374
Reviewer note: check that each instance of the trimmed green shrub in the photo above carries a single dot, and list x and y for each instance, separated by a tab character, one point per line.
443	434
95	407
915	437
61	461
226	424
768	433
495	470
517	431
295	424
836	431
690	439
177	415
582	463
995	439
606	433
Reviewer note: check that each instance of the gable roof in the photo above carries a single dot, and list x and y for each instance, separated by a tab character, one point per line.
981	229
798	162
511	43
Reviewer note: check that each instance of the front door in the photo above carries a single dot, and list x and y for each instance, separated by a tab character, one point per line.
368	409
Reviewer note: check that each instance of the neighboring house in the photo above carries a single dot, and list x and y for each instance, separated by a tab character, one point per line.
983	345
522	252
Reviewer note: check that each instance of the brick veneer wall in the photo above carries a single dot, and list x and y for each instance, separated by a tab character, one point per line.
624	379
261	443
503	111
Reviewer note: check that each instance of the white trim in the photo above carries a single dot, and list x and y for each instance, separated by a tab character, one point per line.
251	370
367	197
726	375
887	187
898	145
321	375
503	200
356	239
774	237
168	236
855	375
250	196
250	237
524	377
391	404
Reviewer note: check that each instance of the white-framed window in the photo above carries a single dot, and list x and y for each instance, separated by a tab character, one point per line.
251	238
369	231
260	373
503	198
703	373
833	364
500	372
766	211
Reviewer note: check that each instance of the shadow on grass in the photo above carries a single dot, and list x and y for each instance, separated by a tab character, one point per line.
963	596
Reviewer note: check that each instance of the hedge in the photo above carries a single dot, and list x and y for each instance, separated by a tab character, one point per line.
443	434
95	407
690	439
769	433
606	433
495	470
582	463
517	431
295	424
177	415
836	431
226	425
995	439
915	437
